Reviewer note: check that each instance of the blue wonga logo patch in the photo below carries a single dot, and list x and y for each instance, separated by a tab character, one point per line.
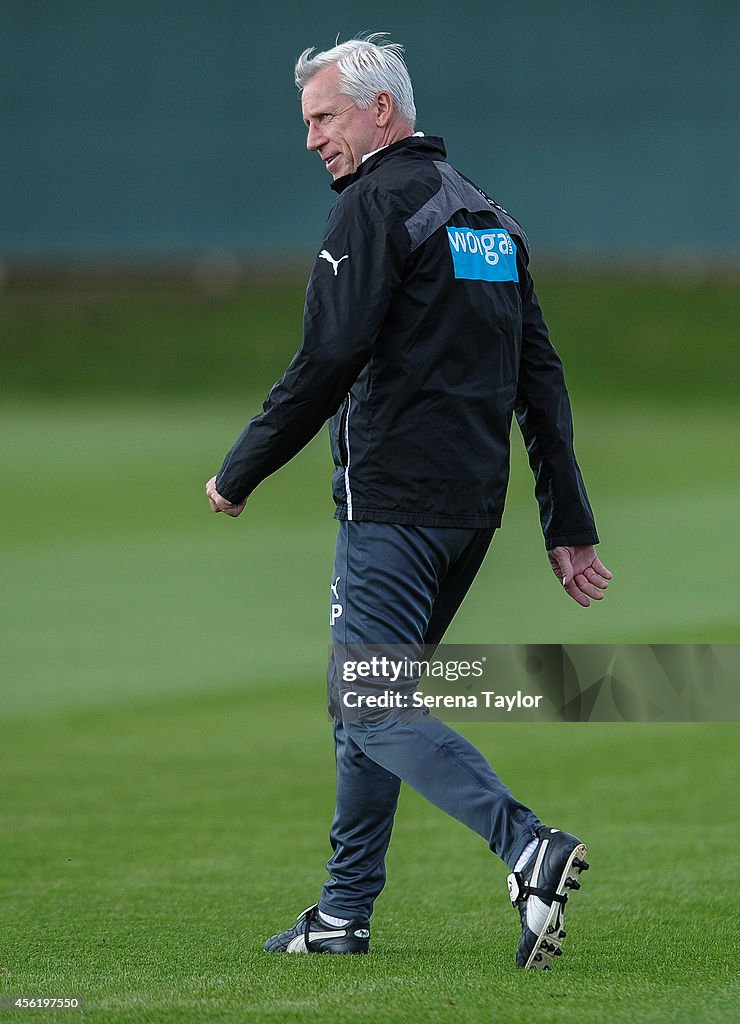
488	255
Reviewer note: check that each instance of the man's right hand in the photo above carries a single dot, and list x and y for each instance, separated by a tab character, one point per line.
581	572
220	504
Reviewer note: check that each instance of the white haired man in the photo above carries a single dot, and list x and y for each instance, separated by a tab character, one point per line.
422	338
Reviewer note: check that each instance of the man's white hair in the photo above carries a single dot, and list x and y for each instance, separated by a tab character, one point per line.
366	67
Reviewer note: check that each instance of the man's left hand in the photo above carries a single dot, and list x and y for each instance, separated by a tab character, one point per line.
220	504
581	572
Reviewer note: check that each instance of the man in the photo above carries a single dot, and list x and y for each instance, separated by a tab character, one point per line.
422	337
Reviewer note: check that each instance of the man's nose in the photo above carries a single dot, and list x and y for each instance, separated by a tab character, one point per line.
315	138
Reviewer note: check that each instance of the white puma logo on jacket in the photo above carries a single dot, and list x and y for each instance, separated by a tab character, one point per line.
326	255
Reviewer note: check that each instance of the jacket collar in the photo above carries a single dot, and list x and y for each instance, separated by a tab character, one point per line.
430	146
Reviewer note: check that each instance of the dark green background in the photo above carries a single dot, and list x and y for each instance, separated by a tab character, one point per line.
160	130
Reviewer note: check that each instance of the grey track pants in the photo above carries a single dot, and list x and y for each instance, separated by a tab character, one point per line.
392	585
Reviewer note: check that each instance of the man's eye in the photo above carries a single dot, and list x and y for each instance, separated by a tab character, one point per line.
326	117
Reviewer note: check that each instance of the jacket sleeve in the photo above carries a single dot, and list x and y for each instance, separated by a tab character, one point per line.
346	303
544	416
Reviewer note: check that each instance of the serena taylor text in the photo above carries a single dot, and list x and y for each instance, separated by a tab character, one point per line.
418	699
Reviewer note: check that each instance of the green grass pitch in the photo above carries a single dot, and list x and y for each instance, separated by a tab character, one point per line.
166	767
165	762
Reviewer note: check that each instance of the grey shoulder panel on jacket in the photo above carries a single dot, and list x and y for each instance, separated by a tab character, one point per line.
455	193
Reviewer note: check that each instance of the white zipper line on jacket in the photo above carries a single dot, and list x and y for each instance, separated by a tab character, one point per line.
347	488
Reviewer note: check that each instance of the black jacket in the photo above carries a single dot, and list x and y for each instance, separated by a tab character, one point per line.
422	335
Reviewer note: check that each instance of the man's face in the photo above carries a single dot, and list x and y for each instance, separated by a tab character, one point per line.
338	131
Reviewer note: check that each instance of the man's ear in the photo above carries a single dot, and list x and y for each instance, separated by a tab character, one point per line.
384	108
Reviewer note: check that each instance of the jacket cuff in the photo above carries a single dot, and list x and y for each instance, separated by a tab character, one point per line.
230	492
556	540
